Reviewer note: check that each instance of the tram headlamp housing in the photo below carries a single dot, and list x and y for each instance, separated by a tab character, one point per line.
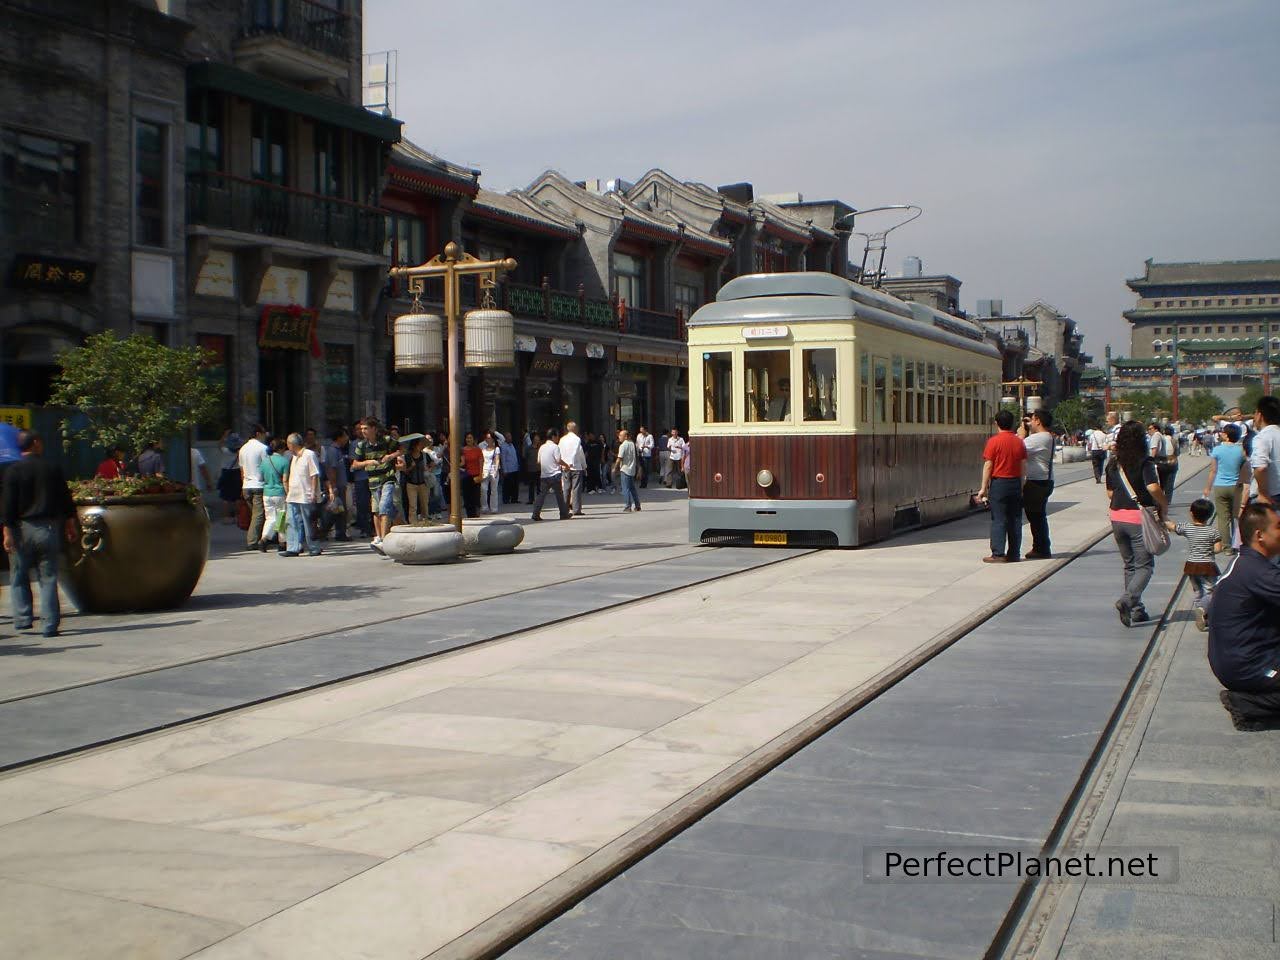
764	479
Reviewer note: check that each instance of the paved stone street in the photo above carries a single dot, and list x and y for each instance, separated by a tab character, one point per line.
432	808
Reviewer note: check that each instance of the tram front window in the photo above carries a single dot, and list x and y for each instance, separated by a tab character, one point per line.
820	384
768	385
717	387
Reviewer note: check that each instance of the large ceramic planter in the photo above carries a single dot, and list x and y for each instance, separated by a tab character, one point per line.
417	545
143	552
491	535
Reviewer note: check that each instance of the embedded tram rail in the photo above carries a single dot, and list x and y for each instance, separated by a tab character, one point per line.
782	861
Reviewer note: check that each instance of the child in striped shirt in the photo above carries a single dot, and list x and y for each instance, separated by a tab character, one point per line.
1200	567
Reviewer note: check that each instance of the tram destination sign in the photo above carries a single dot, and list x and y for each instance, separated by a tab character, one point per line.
764	333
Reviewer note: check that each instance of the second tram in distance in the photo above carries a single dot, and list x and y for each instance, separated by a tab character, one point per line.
825	413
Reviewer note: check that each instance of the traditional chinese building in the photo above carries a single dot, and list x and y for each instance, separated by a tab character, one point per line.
91	193
286	239
1218	323
608	272
1041	345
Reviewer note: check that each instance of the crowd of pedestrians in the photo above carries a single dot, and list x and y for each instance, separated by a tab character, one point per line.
294	493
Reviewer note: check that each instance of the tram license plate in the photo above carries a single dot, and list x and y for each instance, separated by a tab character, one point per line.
771	538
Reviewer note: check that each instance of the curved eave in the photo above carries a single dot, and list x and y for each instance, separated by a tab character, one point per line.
785	233
649	231
437	184
525	223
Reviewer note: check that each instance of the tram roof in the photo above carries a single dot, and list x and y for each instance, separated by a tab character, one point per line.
818	297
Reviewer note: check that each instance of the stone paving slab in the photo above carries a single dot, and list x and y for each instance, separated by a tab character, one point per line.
47	725
980	748
247	599
263	776
1211	791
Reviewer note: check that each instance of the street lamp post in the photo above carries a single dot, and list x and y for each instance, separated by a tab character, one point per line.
452	266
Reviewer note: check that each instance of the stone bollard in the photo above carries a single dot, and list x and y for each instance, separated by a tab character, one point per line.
418	545
491	535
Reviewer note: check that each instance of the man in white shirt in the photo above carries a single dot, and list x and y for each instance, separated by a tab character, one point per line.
302	495
1096	444
571	453
644	447
250	458
675	450
551	468
1037	483
1265	458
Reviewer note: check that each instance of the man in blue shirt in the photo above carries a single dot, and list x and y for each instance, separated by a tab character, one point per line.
1244	622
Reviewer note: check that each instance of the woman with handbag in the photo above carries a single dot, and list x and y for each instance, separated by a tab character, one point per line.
1137	504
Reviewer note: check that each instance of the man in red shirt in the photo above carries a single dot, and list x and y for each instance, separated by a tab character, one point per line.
1004	465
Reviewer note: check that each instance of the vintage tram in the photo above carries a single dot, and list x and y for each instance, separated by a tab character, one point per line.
826	413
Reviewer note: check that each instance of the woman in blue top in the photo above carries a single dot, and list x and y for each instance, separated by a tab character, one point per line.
1228	477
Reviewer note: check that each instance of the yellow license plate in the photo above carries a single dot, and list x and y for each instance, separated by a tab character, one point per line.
773	539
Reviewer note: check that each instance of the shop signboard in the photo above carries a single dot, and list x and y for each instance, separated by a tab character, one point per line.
288	328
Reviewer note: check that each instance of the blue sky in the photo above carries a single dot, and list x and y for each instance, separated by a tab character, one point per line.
1054	147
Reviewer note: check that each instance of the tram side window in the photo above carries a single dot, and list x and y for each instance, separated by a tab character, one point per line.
882	387
717	387
930	391
819	384
767	385
864	385
896	402
909	409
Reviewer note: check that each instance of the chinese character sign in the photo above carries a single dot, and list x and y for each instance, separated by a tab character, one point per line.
52	274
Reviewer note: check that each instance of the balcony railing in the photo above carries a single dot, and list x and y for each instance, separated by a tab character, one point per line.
316	26
542	302
650	323
228	202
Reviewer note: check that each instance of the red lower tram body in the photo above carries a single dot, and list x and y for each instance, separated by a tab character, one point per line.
828	490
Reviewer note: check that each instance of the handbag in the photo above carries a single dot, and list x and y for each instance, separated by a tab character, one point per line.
1154	535
243	514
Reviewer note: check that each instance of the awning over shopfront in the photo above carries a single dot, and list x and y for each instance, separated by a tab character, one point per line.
255	87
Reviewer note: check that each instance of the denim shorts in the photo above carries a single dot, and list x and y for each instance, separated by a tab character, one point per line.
383	499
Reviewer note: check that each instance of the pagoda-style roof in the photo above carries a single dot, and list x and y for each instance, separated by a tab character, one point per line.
1142	363
1207	346
1093	373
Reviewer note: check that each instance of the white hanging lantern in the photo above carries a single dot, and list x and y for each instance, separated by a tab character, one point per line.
489	338
419	342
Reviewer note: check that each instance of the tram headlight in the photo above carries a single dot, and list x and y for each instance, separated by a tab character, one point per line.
764	479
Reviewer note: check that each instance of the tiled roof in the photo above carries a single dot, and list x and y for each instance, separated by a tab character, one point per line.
1142	362
519	207
414	159
1202	346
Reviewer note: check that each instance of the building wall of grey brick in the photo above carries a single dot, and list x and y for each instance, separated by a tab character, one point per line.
83	72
